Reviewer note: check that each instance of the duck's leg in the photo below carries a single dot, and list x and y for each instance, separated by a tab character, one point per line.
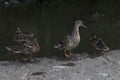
71	54
31	58
23	57
65	53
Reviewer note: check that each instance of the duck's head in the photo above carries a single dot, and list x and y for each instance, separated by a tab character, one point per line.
17	34
22	36
18	30
93	35
79	23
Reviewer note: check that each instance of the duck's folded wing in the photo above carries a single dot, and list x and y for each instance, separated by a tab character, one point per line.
62	43
15	49
66	40
102	46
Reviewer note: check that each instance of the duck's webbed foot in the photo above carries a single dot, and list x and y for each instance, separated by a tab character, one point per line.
23	58
30	59
71	54
66	55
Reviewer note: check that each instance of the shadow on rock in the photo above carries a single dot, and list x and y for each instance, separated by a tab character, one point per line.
82	56
95	54
38	73
69	64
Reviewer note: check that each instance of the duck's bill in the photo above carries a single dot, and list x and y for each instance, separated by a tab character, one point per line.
84	26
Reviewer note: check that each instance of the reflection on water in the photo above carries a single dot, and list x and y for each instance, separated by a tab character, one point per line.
51	22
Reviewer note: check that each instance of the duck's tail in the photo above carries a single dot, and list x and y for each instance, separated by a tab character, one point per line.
106	49
13	50
9	49
57	46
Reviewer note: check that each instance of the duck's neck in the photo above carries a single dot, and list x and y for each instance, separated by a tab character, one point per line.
75	32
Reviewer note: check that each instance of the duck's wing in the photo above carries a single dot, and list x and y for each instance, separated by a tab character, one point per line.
16	49
102	46
66	40
99	44
96	43
63	42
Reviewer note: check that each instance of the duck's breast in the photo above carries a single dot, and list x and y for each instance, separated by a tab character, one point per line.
76	41
35	48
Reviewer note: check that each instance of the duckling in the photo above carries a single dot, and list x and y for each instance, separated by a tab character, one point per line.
71	41
98	43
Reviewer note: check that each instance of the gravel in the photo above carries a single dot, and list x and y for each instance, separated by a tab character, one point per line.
104	67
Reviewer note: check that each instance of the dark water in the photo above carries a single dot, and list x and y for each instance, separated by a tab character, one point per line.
51	21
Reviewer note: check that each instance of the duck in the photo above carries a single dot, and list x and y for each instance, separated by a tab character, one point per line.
27	44
71	41
98	43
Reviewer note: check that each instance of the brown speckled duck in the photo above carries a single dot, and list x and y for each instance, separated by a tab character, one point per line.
98	43
27	44
71	41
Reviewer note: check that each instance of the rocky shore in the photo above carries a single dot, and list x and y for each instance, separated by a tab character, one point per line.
104	67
